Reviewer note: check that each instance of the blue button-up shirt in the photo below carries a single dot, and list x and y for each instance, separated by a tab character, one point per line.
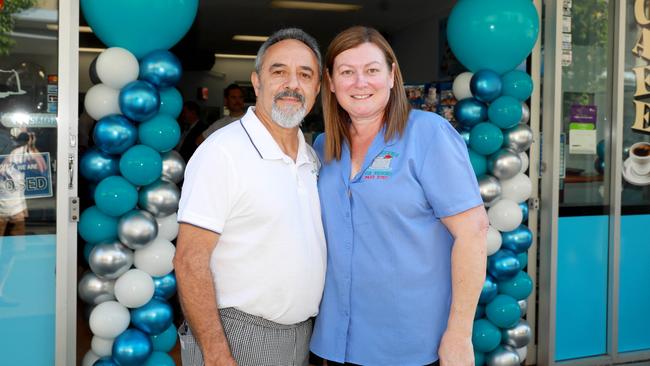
388	282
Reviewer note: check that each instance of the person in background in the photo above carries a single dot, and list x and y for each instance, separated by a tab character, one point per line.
233	99
191	127
404	220
250	257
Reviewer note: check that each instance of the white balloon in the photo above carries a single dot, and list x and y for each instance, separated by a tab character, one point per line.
517	188
156	258
134	288
493	240
524	162
102	347
522	352
89	358
461	87
505	215
117	67
109	319
167	227
101	101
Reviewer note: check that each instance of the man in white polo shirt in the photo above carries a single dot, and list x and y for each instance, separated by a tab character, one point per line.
250	258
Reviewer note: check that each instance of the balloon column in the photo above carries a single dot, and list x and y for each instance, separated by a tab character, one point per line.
129	230
491	38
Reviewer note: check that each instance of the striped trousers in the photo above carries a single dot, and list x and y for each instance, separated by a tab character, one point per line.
254	341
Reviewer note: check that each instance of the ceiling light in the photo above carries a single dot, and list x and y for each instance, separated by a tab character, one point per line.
82	28
91	49
247	38
309	5
236	56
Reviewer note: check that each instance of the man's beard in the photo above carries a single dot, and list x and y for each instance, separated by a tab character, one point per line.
288	117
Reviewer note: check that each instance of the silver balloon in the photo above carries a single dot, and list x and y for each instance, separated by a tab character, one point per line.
159	198
94	290
490	188
517	336
502	356
137	228
110	260
525	113
518	138
523	306
173	166
504	164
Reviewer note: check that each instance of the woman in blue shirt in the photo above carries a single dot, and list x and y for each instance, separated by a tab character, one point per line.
403	216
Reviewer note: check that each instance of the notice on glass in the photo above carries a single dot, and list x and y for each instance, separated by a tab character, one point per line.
582	142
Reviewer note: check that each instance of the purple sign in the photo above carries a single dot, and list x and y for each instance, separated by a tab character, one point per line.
583	113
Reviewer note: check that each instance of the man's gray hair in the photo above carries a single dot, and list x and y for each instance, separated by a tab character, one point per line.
285	34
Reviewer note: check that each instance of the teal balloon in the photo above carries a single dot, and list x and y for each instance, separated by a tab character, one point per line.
139	100
470	111
115	196
599	165
517	84
524	211
141	165
96	226
517	240
88	247
523	260
478	161
140	26
485	85
479	358
161	68
465	136
485	336
503	264
96	165
161	133
165	341
105	361
600	150
132	348
503	311
159	359
171	102
492	34
505	112
485	138
519	287
114	134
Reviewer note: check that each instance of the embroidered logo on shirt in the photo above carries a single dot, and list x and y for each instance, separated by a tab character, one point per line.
381	167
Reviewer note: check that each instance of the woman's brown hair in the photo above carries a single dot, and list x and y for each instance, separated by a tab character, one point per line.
337	120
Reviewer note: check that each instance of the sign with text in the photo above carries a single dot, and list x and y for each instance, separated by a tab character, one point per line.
28	173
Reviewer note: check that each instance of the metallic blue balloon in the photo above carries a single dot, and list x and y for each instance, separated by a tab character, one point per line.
114	134
139	100
96	165
489	291
161	68
503	265
517	240
524	210
132	348
465	135
165	286
470	112
153	317
105	361
485	85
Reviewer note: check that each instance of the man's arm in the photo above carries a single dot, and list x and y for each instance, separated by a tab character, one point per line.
468	262
197	294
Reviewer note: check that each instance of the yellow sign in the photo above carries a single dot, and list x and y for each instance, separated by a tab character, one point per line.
642	73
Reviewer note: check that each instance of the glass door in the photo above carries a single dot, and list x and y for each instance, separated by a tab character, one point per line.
34	118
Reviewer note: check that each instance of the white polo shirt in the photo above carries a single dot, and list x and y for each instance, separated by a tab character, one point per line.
270	259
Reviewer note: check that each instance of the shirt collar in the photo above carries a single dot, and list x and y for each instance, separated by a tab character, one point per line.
264	143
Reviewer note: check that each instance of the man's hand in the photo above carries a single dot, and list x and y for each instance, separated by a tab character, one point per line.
456	349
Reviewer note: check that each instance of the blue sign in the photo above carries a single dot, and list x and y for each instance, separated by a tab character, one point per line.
25	174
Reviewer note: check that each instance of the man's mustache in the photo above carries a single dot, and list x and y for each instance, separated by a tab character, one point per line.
289	94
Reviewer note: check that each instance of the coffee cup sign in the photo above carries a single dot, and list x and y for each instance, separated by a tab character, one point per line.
640	158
